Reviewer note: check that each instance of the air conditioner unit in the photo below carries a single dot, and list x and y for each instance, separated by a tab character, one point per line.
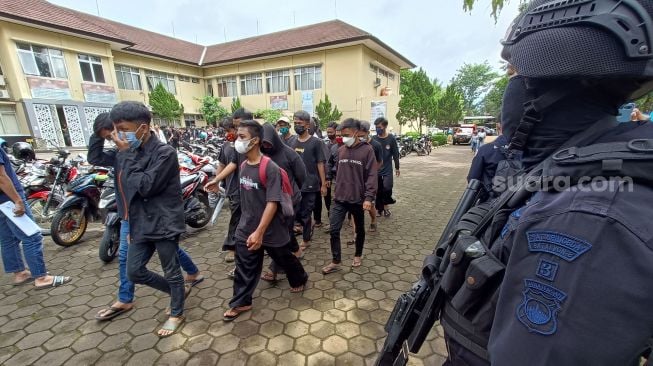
377	82
4	94
2	81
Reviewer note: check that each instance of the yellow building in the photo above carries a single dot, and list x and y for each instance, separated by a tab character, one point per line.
61	68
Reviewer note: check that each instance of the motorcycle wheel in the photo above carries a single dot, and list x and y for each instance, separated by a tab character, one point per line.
37	205
68	226
206	208
109	244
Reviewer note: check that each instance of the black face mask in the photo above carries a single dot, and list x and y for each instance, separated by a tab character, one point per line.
300	130
331	137
514	97
267	150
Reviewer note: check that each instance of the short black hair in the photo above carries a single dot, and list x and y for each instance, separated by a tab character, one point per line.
102	122
302	115
333	125
351	123
255	129
227	123
381	121
365	126
131	112
243	114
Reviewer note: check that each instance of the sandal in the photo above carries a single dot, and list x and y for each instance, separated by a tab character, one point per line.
57	281
331	268
357	262
111	313
199	279
172	326
230	257
233	313
318	225
351	242
296	290
372	228
269	276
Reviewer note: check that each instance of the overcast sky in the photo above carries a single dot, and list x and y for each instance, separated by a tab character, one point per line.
436	35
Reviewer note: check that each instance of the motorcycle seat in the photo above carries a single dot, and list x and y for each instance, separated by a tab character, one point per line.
187	179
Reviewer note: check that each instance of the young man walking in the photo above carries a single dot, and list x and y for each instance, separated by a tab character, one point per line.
148	182
262	224
354	192
364	136
311	149
390	153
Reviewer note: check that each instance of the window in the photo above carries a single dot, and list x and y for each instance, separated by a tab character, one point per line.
155	78
209	89
184	78
129	78
91	67
42	61
277	81
308	78
189	79
227	87
8	121
379	71
195	80
251	84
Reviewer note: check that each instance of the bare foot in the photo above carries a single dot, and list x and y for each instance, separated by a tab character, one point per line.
22	277
170	326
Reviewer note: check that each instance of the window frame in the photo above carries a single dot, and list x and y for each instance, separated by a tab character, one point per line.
229	84
50	53
129	72
4	110
283	74
91	62
303	73
256	78
161	76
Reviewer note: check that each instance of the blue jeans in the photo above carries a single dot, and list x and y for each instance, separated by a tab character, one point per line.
126	288
12	255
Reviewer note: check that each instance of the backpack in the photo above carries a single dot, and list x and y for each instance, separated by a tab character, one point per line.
286	203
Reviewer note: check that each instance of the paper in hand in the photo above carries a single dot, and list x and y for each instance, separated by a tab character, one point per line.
24	223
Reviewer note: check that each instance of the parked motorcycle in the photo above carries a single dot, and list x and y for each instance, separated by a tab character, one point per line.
197	207
110	242
81	205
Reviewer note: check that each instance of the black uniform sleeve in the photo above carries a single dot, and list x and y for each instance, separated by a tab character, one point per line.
395	152
371	176
97	155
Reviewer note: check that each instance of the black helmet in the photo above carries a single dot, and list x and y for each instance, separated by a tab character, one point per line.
23	151
582	39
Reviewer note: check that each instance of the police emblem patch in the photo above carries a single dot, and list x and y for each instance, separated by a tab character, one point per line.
561	245
539	308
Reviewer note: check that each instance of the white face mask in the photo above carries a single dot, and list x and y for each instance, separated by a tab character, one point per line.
242	146
348	141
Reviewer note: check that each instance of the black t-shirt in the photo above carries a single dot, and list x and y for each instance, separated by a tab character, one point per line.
254	197
227	155
390	153
312	152
378	149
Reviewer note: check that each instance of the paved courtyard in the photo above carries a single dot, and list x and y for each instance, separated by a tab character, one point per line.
338	320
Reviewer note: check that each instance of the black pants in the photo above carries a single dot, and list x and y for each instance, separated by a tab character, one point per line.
384	192
339	212
304	214
317	210
138	256
234	207
327	200
249	265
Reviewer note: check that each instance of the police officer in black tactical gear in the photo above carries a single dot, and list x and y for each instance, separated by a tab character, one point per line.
565	278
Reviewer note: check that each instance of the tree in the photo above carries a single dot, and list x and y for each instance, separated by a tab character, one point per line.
211	109
497	5
449	108
645	103
235	104
418	99
473	81
164	104
269	115
326	112
494	98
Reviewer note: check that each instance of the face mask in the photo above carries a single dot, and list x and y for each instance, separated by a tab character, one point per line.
339	140
130	136
284	131
362	139
348	141
231	137
379	131
300	130
243	146
512	108
331	137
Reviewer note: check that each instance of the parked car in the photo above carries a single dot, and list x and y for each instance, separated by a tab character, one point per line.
463	135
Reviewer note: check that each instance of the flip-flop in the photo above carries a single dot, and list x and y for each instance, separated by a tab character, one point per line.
356	264
56	282
26	280
269	277
351	242
113	312
171	326
194	282
328	270
238	311
230	257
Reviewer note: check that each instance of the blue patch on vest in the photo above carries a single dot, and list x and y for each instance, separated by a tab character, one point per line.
561	245
547	270
539	308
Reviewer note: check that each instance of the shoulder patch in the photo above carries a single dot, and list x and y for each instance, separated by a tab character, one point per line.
558	244
538	310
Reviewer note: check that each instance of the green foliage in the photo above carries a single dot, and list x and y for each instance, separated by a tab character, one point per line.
645	103
418	98
494	98
439	139
414	134
473	81
497	6
449	108
326	113
269	115
164	104
211	109
235	104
